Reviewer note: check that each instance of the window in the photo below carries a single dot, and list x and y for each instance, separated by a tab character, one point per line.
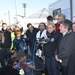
56	12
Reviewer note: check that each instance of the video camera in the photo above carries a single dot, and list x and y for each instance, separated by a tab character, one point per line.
43	40
40	40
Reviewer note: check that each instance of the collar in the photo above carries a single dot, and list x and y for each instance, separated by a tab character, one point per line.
4	30
67	32
42	30
52	32
31	30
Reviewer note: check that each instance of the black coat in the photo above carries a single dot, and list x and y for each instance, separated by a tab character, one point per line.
7	70
7	39
67	45
31	35
1	37
71	64
50	48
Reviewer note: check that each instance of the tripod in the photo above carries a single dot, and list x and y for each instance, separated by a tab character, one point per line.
40	54
36	61
33	56
43	58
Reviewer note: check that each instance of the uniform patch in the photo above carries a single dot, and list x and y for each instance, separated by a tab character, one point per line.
52	39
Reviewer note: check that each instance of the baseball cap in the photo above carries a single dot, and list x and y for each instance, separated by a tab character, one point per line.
20	54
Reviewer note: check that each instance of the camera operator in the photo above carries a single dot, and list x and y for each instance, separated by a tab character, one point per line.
42	31
50	48
40	37
41	34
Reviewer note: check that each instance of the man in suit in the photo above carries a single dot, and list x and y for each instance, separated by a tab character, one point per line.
71	62
67	45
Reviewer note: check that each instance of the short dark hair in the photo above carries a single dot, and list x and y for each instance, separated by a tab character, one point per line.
29	24
20	54
50	18
67	23
3	24
11	61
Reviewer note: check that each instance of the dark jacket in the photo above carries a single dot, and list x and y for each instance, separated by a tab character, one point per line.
1	38
7	70
24	66
50	47
7	39
71	64
67	45
31	35
19	44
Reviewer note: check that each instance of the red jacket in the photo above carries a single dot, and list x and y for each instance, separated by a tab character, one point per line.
57	26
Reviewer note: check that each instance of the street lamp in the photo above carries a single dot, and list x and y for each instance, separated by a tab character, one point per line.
9	17
16	8
24	6
5	16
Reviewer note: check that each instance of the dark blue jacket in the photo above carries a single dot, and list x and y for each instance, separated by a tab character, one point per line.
19	44
51	47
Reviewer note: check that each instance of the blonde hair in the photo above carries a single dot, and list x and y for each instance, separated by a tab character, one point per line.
51	23
17	32
16	28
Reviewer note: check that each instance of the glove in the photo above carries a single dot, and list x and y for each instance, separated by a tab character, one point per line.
47	39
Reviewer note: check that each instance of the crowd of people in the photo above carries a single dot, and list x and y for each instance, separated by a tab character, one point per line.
48	49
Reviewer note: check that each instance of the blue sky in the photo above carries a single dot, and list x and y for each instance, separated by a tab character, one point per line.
32	6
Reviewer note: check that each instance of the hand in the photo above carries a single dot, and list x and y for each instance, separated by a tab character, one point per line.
47	39
43	57
12	51
57	59
31	66
25	36
24	48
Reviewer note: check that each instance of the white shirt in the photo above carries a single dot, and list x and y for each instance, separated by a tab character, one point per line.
42	35
65	33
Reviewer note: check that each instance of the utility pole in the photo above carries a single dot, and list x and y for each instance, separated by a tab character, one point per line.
16	8
5	16
24	6
71	10
9	17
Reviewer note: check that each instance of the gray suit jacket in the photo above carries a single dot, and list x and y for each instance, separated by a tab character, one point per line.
66	47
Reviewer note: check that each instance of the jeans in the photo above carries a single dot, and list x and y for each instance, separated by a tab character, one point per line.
51	65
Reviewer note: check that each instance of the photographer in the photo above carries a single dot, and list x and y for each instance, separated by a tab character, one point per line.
42	31
50	48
